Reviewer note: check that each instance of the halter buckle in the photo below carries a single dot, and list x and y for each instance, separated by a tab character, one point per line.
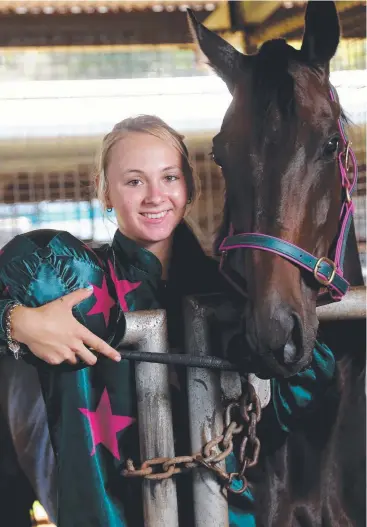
320	279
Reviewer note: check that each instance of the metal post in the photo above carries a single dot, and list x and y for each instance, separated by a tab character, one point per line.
206	418
148	331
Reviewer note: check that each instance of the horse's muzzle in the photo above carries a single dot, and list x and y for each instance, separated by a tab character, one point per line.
278	342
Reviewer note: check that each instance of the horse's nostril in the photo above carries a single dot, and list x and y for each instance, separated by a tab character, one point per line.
290	352
293	346
292	349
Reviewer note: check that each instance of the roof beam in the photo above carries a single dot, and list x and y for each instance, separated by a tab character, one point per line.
219	19
256	12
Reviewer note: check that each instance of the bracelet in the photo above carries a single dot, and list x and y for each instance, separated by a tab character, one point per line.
13	345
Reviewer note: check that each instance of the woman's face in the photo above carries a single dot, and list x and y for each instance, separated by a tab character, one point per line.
147	187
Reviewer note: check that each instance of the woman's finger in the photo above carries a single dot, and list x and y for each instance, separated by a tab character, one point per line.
70	357
85	355
55	357
74	298
99	345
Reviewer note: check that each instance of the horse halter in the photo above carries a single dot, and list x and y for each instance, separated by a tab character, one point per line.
327	272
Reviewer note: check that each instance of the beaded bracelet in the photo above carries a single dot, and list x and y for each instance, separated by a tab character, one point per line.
13	345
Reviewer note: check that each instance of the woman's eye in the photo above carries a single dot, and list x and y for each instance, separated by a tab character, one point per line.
331	146
134	182
172	177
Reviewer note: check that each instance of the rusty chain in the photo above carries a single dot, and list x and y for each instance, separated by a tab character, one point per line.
248	413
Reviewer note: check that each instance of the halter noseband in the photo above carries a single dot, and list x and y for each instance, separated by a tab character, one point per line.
327	272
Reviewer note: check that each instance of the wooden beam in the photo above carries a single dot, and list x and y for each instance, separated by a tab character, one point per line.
257	12
120	28
219	19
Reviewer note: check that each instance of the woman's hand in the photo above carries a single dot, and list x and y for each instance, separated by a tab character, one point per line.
53	334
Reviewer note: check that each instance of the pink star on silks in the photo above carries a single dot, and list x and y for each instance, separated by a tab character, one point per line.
123	287
104	425
104	302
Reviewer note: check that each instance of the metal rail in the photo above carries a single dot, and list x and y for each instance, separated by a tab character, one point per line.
178	359
352	306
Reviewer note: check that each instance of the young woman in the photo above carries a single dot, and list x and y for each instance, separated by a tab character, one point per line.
63	305
154	260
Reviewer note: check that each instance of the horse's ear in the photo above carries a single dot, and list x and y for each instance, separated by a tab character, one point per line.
217	53
322	32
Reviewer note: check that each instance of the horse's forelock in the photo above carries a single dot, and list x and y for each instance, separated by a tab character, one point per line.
273	86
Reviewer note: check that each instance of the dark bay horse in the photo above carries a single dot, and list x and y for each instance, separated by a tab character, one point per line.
282	153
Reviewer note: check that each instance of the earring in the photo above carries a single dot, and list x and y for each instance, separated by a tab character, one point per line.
109	209
189	201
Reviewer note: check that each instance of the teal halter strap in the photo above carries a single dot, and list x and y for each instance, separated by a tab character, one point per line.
323	269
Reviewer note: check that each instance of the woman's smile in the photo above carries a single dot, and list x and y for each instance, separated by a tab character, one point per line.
155	215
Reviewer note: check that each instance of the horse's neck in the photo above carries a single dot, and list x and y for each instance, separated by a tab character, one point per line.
352	263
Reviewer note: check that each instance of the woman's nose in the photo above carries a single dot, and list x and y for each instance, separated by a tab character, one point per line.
154	194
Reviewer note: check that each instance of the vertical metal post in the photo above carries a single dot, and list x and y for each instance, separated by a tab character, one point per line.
206	418
148	330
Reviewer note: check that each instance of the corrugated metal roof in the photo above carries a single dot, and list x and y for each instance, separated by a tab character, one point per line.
101	6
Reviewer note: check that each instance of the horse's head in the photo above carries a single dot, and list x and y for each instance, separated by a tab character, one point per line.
278	148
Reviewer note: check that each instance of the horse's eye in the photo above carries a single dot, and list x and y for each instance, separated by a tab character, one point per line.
331	146
216	160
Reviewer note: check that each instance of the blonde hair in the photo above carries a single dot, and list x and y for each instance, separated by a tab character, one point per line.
148	124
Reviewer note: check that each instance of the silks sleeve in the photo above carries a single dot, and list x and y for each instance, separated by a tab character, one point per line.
41	266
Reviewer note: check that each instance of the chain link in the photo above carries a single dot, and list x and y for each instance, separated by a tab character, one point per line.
240	419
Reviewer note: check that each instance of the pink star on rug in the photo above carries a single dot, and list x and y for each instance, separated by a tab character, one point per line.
104	302
104	425
123	287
